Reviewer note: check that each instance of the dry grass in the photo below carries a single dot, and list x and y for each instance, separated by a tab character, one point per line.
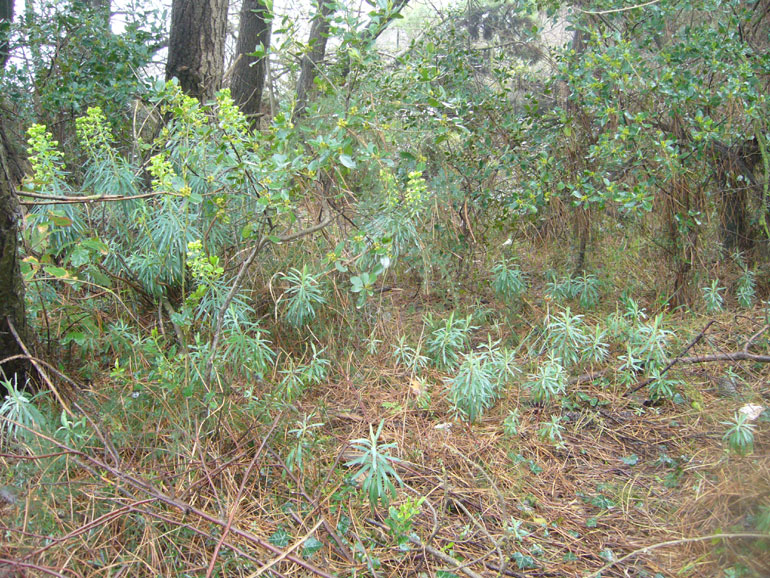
171	488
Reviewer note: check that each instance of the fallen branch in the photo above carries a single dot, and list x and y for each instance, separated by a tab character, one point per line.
17	564
39	368
673	362
736	356
675	543
146	487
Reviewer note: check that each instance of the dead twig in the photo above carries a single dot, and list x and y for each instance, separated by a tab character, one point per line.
39	368
239	280
143	485
237	499
646	549
677	359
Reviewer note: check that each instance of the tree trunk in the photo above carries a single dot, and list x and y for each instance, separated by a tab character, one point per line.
11	283
6	18
249	72
319	34
734	171
196	47
577	147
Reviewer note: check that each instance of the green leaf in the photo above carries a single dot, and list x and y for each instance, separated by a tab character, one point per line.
259	51
311	546
79	256
96	245
279	538
348	161
58	272
631	460
60	220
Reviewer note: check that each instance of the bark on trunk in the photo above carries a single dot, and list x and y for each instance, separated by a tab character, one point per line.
196	48
11	283
249	72
6	18
319	33
734	171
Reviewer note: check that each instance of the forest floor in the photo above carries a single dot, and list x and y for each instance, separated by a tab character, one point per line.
244	488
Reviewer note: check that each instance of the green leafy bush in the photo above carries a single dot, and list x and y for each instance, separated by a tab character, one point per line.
713	298
551	430
475	386
549	382
746	291
508	281
305	437
18	414
585	289
740	434
446	339
511	423
376	467
565	337
407	356
304	294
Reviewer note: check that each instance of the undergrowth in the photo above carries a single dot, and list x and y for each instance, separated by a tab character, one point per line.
533	445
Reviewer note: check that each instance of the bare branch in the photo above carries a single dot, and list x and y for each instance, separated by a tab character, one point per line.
239	281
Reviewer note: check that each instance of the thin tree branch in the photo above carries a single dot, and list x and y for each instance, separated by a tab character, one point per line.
735	356
671	363
27	565
754	337
62	200
39	368
614	10
239	281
